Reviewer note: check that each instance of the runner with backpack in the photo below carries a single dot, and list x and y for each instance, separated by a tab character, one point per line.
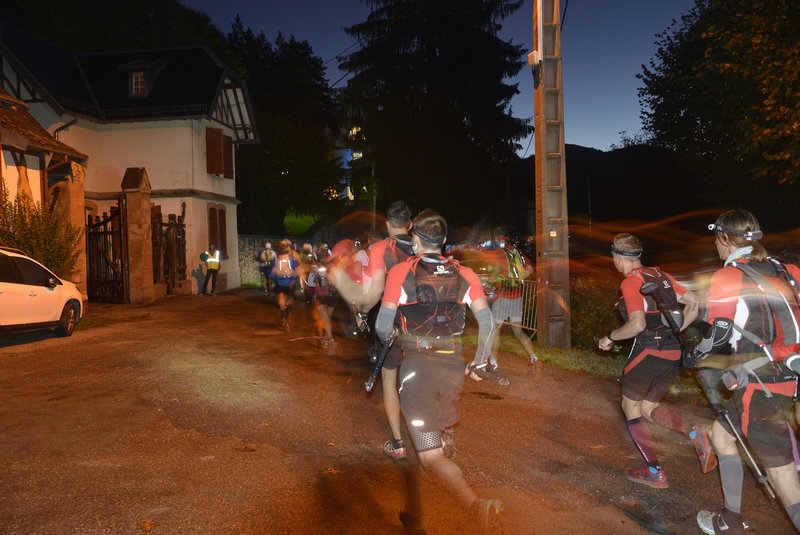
654	360
284	273
753	308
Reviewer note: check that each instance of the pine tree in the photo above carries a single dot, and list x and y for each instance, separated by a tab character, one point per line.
429	94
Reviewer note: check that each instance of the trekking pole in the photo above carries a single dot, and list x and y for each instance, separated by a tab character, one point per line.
704	376
381	357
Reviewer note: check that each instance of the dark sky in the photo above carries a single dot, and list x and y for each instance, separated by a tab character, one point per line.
604	44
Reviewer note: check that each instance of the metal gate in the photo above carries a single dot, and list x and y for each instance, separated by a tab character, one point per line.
107	256
169	250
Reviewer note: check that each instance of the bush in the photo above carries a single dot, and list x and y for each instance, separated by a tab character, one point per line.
592	302
42	233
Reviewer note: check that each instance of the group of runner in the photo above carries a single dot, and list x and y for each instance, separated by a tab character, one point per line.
752	311
418	297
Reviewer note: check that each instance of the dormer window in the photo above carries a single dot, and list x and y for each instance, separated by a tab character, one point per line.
138	84
142	76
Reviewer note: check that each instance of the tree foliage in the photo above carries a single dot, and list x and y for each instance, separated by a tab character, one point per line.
429	95
724	90
43	233
294	166
294	107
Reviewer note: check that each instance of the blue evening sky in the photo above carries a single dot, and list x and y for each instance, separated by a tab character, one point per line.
604	43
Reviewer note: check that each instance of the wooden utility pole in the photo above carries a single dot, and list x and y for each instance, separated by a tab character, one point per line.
552	243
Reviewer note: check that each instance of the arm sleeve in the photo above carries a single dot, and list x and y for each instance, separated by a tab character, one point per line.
485	336
384	323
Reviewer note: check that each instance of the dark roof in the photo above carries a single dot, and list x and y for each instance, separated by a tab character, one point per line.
19	129
185	82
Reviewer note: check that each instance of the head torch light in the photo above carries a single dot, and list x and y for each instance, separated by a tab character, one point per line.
749	235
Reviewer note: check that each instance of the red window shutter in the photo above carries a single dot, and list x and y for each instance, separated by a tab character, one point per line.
222	245
227	157
213	230
214	153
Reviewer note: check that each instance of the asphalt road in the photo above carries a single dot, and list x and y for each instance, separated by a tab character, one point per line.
199	416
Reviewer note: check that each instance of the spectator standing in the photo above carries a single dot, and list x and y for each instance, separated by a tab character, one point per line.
212	268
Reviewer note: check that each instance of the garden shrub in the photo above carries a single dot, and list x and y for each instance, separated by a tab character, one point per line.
592	301
43	233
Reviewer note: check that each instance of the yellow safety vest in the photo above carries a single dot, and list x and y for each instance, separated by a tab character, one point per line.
213	261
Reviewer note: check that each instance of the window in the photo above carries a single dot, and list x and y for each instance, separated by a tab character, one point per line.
7	273
138	83
217	231
33	273
219	153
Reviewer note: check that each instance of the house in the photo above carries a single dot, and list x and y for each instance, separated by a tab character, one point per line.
168	119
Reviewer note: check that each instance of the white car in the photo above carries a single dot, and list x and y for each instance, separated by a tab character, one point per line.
32	297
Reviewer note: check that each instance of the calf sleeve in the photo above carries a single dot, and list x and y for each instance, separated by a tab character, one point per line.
731	474
670	418
640	435
794	513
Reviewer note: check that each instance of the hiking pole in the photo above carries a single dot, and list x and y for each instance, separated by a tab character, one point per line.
704	376
381	357
705	379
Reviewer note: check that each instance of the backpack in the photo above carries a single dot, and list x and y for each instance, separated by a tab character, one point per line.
283	267
434	308
780	304
658	290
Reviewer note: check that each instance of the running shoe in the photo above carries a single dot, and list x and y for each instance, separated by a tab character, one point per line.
714	524
485	511
331	344
395	450
708	461
645	475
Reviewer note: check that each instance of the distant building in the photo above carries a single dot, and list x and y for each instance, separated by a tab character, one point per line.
177	113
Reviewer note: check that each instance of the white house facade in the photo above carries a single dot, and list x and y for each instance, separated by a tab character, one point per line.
178	113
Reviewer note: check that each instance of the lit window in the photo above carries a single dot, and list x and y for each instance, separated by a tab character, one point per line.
354	133
357	155
137	83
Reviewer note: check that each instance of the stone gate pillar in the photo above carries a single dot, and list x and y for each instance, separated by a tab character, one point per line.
136	191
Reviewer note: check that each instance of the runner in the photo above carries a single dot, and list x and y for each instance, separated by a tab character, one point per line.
743	314
384	255
285	275
429	293
510	268
653	363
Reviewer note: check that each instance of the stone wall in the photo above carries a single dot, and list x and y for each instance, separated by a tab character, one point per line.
249	245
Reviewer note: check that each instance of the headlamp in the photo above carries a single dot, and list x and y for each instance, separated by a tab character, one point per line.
624	253
749	235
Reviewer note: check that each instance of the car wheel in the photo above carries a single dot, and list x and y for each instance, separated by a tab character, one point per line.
67	323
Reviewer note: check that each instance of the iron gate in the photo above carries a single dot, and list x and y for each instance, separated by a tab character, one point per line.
107	256
169	250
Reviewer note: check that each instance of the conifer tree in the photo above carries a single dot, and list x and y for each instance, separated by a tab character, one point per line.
428	93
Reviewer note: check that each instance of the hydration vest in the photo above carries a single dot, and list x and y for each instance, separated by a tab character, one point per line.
662	300
433	309
283	267
398	249
774	305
